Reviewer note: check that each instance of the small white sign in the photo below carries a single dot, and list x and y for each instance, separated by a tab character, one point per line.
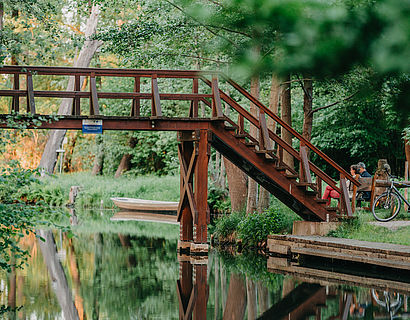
92	126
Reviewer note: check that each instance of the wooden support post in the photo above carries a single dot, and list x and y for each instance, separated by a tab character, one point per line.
344	197
76	109
156	101
201	187
202	290
136	102
216	99
31	106
265	142
193	110
186	209
304	161
94	106
406	178
15	105
193	212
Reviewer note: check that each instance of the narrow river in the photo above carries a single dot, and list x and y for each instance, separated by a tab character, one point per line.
131	270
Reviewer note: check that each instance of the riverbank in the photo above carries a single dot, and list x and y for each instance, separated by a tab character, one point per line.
96	191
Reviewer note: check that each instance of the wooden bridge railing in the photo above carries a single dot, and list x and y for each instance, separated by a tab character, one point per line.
212	96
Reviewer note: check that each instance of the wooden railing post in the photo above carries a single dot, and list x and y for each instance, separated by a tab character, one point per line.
31	106
136	104
193	110
264	139
304	173
156	101
216	99
94	106
344	197
15	105
76	109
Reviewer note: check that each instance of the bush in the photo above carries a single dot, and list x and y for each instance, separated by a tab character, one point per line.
255	228
227	225
218	200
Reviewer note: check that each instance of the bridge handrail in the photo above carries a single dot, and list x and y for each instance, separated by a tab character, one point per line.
188	74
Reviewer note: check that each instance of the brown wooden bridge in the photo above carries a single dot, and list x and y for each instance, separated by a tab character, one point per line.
203	125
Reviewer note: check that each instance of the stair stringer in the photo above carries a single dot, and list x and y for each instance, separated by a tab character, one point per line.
268	177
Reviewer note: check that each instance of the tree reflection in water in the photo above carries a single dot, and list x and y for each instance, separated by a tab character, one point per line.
112	275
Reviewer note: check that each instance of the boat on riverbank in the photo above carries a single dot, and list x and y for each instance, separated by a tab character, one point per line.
145	205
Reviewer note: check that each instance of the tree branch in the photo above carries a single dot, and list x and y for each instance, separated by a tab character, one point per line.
333	104
201	24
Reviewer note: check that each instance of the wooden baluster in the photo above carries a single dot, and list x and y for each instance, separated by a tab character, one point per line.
241	124
264	139
15	105
319	186
193	110
216	99
94	106
280	155
136	102
76	110
344	197
304	163
156	101
31	106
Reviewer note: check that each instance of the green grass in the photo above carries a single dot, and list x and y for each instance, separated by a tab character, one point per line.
99	189
361	229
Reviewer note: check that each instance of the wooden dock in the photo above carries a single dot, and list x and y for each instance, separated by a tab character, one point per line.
373	253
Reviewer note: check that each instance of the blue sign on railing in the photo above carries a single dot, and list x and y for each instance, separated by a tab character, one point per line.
92	126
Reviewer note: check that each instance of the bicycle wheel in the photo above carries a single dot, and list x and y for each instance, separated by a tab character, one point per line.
386	206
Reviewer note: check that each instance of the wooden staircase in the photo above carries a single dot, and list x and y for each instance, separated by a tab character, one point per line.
260	156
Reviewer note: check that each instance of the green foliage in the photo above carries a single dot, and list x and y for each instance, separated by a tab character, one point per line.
255	228
218	200
16	218
227	225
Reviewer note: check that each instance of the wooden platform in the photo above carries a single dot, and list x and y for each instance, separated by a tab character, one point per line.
374	253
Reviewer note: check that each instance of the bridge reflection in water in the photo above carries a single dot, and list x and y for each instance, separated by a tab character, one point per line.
120	276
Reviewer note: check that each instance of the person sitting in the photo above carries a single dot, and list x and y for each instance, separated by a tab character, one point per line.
331	193
364	195
354	172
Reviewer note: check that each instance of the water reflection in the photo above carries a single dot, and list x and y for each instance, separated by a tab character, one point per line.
112	275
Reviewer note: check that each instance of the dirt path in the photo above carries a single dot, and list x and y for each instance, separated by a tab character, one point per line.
392	225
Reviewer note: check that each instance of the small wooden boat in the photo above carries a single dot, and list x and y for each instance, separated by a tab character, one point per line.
144	216
145	205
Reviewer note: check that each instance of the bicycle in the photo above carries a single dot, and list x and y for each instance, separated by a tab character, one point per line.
387	205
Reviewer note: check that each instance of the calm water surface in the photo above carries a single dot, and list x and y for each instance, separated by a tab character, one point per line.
131	270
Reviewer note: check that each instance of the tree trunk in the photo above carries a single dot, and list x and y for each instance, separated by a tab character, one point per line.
68	155
1	14
236	185
307	109
236	300
286	115
99	156
49	157
251	204
263	297
125	162
407	150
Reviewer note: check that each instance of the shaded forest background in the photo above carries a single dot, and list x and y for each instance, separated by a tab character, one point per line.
355	53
